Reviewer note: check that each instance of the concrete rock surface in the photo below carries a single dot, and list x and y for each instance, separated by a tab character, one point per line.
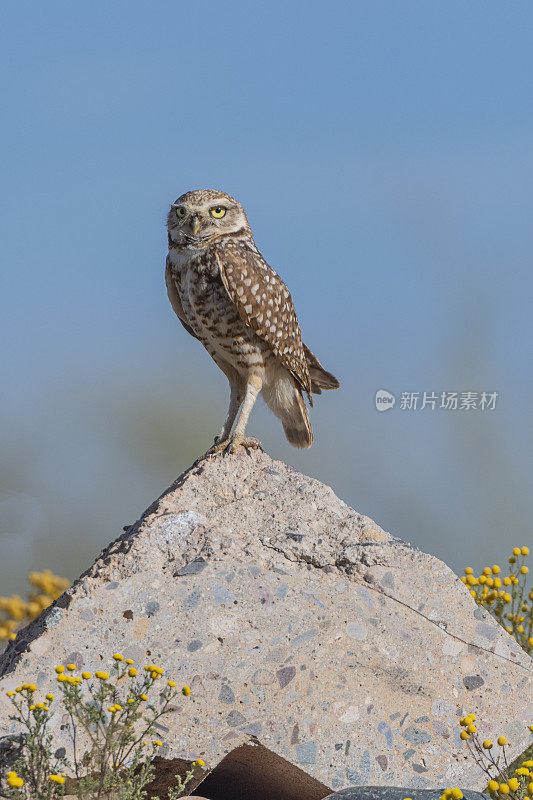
298	623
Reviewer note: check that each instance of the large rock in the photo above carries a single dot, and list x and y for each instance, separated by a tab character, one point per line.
302	628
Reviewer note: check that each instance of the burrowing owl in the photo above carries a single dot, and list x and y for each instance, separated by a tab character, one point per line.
228	297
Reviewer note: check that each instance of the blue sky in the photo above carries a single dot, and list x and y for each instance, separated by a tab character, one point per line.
383	153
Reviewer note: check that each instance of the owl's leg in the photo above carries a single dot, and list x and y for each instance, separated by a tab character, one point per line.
253	387
231	442
235	402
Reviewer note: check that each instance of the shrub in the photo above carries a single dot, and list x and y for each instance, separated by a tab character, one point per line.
14	611
114	712
506	596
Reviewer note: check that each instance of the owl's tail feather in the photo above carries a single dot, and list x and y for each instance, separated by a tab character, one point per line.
320	378
284	397
296	423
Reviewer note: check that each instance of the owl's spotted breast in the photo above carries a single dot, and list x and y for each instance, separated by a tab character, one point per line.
212	316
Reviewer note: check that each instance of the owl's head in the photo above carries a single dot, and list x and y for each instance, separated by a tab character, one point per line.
202	216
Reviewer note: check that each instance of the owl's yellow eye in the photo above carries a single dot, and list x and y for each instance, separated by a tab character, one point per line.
180	212
217	212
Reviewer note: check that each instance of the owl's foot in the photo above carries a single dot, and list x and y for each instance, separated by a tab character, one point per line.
230	445
248	442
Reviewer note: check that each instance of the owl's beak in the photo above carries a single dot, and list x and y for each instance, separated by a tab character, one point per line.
195	224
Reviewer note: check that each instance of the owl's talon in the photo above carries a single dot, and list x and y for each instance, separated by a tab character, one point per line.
219	446
249	443
230	445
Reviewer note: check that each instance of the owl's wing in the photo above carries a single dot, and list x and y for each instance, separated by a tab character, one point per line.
174	298
264	304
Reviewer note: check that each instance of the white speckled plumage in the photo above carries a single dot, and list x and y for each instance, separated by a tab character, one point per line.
227	296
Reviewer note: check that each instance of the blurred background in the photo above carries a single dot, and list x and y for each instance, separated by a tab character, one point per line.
383	154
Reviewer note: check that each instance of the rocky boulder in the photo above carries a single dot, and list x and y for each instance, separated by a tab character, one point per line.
308	635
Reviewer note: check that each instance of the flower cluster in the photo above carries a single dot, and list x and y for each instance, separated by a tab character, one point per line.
117	710
504	780
14	611
506	596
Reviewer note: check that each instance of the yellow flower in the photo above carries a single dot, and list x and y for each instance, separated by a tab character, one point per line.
496	569
524	550
457	794
40	705
130	661
507	597
494	786
530	787
50	696
118	657
503	788
86	676
186	691
502	741
59	669
524	570
11	694
130	701
158	743
200	762
507	581
513	784
144	697
464	736
71	667
527	763
61	678
132	672
14	780
487	744
468	571
103	676
29	687
172	684
57	778
471	729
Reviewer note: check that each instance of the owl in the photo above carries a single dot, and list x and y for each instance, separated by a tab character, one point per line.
227	296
